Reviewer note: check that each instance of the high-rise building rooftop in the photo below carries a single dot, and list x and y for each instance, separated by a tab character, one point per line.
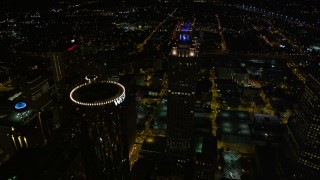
99	93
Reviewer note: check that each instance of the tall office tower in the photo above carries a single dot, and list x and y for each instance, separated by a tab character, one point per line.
182	80
64	67
37	92
304	126
99	110
63	59
57	59
57	65
130	110
21	127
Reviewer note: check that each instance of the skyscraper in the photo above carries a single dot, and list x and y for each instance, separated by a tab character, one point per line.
21	127
129	107
304	126
182	80
99	110
57	65
37	92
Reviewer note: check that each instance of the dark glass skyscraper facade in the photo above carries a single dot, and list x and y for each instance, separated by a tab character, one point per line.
182	82
304	126
57	65
98	107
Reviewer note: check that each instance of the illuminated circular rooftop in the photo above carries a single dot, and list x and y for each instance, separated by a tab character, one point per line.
98	93
20	105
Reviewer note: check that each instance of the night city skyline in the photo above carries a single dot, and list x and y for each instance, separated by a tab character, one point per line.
160	90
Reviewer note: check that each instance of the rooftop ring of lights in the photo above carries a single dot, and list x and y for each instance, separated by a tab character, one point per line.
20	105
116	99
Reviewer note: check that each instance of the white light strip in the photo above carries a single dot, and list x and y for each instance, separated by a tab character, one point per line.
116	100
94	77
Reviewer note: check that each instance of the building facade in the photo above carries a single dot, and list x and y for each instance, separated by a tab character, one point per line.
37	91
182	81
20	128
304	126
57	65
98	108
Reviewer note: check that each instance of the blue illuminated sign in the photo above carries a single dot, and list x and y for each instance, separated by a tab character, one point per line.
20	105
184	37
